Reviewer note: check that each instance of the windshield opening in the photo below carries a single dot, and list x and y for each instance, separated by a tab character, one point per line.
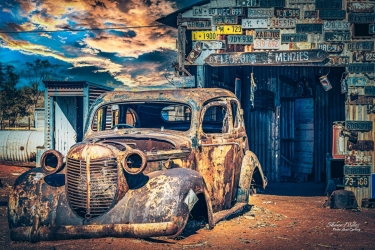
172	116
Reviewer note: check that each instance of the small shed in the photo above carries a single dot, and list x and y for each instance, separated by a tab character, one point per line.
66	104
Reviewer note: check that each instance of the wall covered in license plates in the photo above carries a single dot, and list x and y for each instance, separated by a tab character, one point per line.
308	33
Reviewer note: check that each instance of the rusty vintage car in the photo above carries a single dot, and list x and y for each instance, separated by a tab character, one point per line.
149	161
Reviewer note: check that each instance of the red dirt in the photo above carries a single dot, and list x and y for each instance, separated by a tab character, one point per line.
287	216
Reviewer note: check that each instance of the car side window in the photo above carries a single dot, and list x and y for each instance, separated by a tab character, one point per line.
215	120
235	114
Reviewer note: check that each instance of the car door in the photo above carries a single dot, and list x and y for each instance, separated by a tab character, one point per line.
216	152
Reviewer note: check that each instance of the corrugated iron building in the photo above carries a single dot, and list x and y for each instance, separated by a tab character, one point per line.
290	120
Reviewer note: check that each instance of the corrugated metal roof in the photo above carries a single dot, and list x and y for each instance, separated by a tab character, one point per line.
74	85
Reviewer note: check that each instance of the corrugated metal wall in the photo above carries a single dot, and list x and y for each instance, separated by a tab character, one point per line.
263	126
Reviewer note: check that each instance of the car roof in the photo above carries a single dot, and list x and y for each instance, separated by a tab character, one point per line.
196	95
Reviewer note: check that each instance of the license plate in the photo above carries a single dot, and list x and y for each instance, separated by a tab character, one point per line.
267	34
361	145
364	56
358	81
284	23
357	170
358	159
228	29
289	38
336	25
260	12
261	3
212	45
338	61
362	100
356	181
371	29
224	20
309	28
199	25
332	14
370	90
361	7
353	46
299	46
200	11
203	35
266	44
331	4
240	39
229	11
311	14
361	17
359	125
287	13
254	23
362	67
301	1
331	47
337	36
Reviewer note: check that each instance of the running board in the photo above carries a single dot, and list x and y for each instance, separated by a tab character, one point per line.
218	216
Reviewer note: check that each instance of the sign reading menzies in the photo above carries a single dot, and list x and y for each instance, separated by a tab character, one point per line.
266	57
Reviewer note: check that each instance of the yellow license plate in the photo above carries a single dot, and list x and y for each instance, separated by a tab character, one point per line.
229	30
299	46
203	35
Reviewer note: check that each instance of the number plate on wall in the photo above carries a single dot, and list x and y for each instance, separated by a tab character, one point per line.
359	125
240	39
357	170
331	4
364	56
361	7
362	100
287	13
260	12
203	35
356	181
361	145
266	44
254	23
332	14
309	28
361	17
362	67
310	14
337	36
224	20
228	29
289	38
336	25
331	47
357	158
370	91
284	23
367	45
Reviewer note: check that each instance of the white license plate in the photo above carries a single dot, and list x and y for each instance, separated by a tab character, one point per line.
254	23
266	44
336	25
284	23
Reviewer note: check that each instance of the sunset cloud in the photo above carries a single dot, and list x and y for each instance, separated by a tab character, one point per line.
123	53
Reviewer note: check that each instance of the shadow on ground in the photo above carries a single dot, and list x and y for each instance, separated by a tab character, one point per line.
295	189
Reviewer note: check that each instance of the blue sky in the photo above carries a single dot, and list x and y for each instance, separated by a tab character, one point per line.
131	57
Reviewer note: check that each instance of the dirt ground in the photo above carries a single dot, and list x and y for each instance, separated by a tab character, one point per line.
285	216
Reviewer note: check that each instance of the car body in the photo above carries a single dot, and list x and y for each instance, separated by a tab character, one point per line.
148	161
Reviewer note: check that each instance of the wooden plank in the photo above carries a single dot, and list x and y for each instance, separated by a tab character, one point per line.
266	58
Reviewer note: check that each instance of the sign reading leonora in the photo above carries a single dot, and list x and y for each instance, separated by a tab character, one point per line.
266	57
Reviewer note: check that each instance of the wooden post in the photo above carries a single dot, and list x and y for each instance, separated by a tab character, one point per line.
238	88
200	76
181	46
29	123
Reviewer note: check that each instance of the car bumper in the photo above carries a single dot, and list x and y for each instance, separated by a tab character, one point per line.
45	233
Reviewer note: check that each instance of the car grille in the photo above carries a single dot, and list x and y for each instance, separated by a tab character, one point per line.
90	200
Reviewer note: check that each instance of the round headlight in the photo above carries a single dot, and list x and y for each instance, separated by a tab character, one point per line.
134	161
51	161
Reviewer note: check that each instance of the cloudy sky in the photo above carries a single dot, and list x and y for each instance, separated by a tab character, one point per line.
132	56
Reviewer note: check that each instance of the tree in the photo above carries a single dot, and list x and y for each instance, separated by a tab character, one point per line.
14	102
36	72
